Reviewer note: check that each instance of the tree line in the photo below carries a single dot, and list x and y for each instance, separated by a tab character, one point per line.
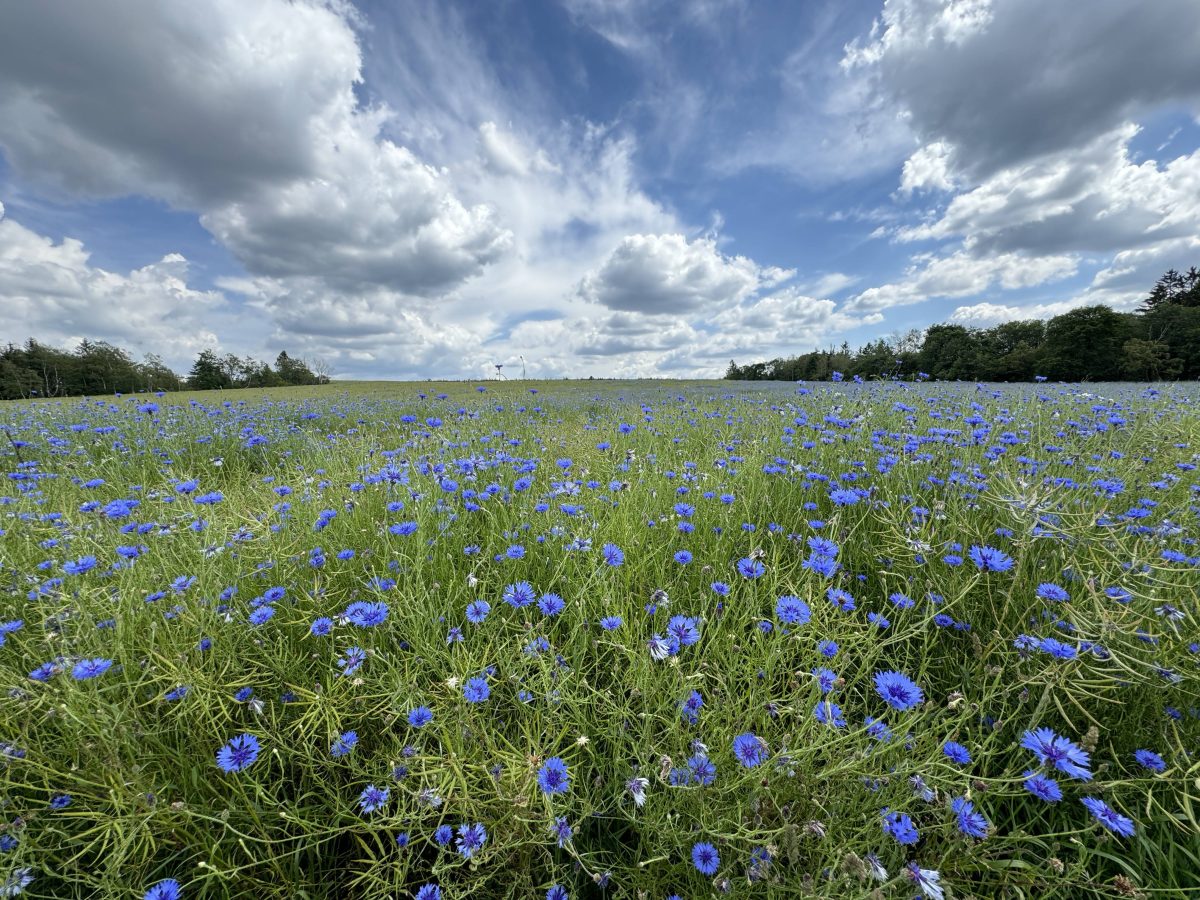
1160	341
34	369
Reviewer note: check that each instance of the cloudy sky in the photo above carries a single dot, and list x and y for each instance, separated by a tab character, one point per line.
603	187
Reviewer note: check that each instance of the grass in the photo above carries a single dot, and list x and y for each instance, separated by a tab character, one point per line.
1084	490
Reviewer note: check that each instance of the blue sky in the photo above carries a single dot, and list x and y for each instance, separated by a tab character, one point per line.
597	187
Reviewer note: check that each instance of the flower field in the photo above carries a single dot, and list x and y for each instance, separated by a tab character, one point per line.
645	640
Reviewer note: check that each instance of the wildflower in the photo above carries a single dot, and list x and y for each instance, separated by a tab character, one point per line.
352	660
167	889
420	717
637	789
989	559
553	777
1150	760
792	610
551	604
476	690
239	753
897	690
970	822
443	835
829	713
560	829
519	594
90	668
1058	752
901	827
613	555
750	568
1109	817
373	798
477	611
683	557
705	858
429	892
344	744
610	623
750	749
366	615
557	892
927	880
1042	787
470	839
956	753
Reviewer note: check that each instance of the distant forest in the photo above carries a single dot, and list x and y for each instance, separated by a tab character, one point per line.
95	367
1161	341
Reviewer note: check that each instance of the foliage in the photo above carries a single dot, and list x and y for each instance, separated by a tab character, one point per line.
599	641
1094	343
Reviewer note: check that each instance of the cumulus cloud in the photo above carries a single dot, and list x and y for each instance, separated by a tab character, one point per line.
246	113
668	274
51	290
1004	82
961	275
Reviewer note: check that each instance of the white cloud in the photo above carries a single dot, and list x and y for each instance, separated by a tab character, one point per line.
52	291
668	274
961	275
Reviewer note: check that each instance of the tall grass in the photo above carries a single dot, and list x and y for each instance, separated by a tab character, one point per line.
879	491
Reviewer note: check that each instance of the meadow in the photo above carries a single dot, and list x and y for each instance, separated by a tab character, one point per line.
602	639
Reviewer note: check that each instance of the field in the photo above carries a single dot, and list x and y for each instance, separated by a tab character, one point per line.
602	639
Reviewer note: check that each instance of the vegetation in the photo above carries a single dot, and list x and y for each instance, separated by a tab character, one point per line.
606	640
97	367
1161	341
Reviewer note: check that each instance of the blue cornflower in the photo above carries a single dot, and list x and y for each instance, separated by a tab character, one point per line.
344	744
610	623
750	749
898	690
351	661
477	611
683	557
420	717
561	831
826	679
366	614
443	835
1042	787
470	839
684	629
751	568
956	752
792	610
553	777
1048	591
989	559
1150	760
429	892
828	649
1056	648
167	889
551	604
557	892
829	713
373	798
262	615
519	594
613	555
476	690
90	668
62	801
80	566
1058	752
321	627
1109	817
239	753
970	822
705	858
901	827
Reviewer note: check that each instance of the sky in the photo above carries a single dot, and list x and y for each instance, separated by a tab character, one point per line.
617	188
